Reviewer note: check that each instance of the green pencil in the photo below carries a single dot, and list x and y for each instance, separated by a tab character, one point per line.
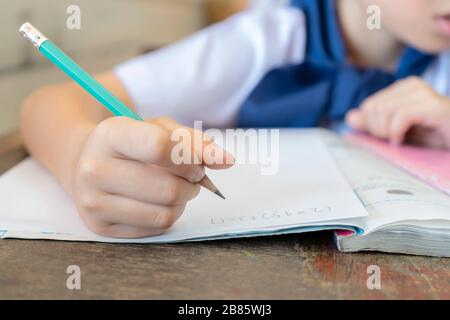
87	82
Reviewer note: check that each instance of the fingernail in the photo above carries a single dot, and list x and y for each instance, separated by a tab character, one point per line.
221	156
229	159
215	154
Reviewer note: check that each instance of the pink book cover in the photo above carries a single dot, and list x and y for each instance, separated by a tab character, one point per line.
429	165
344	233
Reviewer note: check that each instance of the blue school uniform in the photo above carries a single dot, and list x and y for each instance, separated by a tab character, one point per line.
324	87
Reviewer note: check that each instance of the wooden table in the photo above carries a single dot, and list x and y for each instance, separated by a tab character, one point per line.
305	266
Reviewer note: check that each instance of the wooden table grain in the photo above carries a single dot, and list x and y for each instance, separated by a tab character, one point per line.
305	266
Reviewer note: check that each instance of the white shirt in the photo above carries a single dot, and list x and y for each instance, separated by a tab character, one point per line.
209	75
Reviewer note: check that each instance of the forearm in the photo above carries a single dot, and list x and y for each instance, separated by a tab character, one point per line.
56	122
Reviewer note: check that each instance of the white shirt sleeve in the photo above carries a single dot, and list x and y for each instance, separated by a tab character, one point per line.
209	75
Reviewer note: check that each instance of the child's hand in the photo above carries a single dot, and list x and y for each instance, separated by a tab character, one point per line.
408	111
125	183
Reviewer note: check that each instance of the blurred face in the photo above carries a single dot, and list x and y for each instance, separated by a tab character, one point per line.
423	24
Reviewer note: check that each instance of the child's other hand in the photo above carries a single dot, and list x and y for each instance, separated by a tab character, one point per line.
407	111
126	184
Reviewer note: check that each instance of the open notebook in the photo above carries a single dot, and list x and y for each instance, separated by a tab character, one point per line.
322	183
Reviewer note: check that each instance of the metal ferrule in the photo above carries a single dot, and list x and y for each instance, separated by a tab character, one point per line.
31	33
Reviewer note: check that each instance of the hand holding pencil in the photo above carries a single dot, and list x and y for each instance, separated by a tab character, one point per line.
126	183
80	76
126	179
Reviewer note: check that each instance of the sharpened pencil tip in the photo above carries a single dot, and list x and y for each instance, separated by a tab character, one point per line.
220	194
207	183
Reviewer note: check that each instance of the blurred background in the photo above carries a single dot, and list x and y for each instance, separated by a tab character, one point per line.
111	32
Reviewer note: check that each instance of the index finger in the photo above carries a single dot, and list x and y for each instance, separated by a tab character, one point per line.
200	147
151	142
